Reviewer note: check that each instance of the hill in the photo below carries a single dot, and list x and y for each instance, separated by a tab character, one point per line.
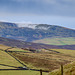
33	32
22	44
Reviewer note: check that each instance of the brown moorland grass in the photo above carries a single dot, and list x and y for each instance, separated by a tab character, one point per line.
69	69
44	60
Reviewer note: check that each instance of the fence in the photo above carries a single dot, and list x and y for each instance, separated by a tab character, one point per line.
21	68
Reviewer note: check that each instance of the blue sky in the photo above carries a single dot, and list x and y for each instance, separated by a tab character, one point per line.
54	12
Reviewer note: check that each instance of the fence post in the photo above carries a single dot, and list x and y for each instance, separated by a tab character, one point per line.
70	72
61	69
40	71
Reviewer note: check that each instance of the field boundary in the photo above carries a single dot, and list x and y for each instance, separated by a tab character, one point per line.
18	68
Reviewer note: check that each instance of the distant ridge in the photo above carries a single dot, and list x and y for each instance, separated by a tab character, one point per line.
33	32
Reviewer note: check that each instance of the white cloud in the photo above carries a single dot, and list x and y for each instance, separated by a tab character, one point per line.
26	22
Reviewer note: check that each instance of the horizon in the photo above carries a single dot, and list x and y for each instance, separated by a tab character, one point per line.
25	24
53	12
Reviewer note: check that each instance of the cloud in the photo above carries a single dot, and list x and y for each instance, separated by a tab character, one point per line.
19	10
39	7
46	1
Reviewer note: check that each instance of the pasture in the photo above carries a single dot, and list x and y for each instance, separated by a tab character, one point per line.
5	67
57	41
65	51
6	59
21	72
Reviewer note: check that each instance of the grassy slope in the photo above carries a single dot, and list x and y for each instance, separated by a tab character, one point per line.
3	47
69	69
65	51
25	72
6	67
8	60
47	60
57	41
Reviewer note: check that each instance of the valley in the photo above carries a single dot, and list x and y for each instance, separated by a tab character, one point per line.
45	59
26	50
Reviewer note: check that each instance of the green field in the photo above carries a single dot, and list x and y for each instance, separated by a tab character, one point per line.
6	67
6	59
57	41
65	51
20	72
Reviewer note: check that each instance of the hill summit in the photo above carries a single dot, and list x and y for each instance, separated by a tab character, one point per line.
31	32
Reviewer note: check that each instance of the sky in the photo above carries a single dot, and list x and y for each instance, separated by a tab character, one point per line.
53	12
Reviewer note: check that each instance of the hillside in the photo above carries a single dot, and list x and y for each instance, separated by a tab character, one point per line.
57	41
45	59
10	65
6	59
33	32
22	44
69	69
